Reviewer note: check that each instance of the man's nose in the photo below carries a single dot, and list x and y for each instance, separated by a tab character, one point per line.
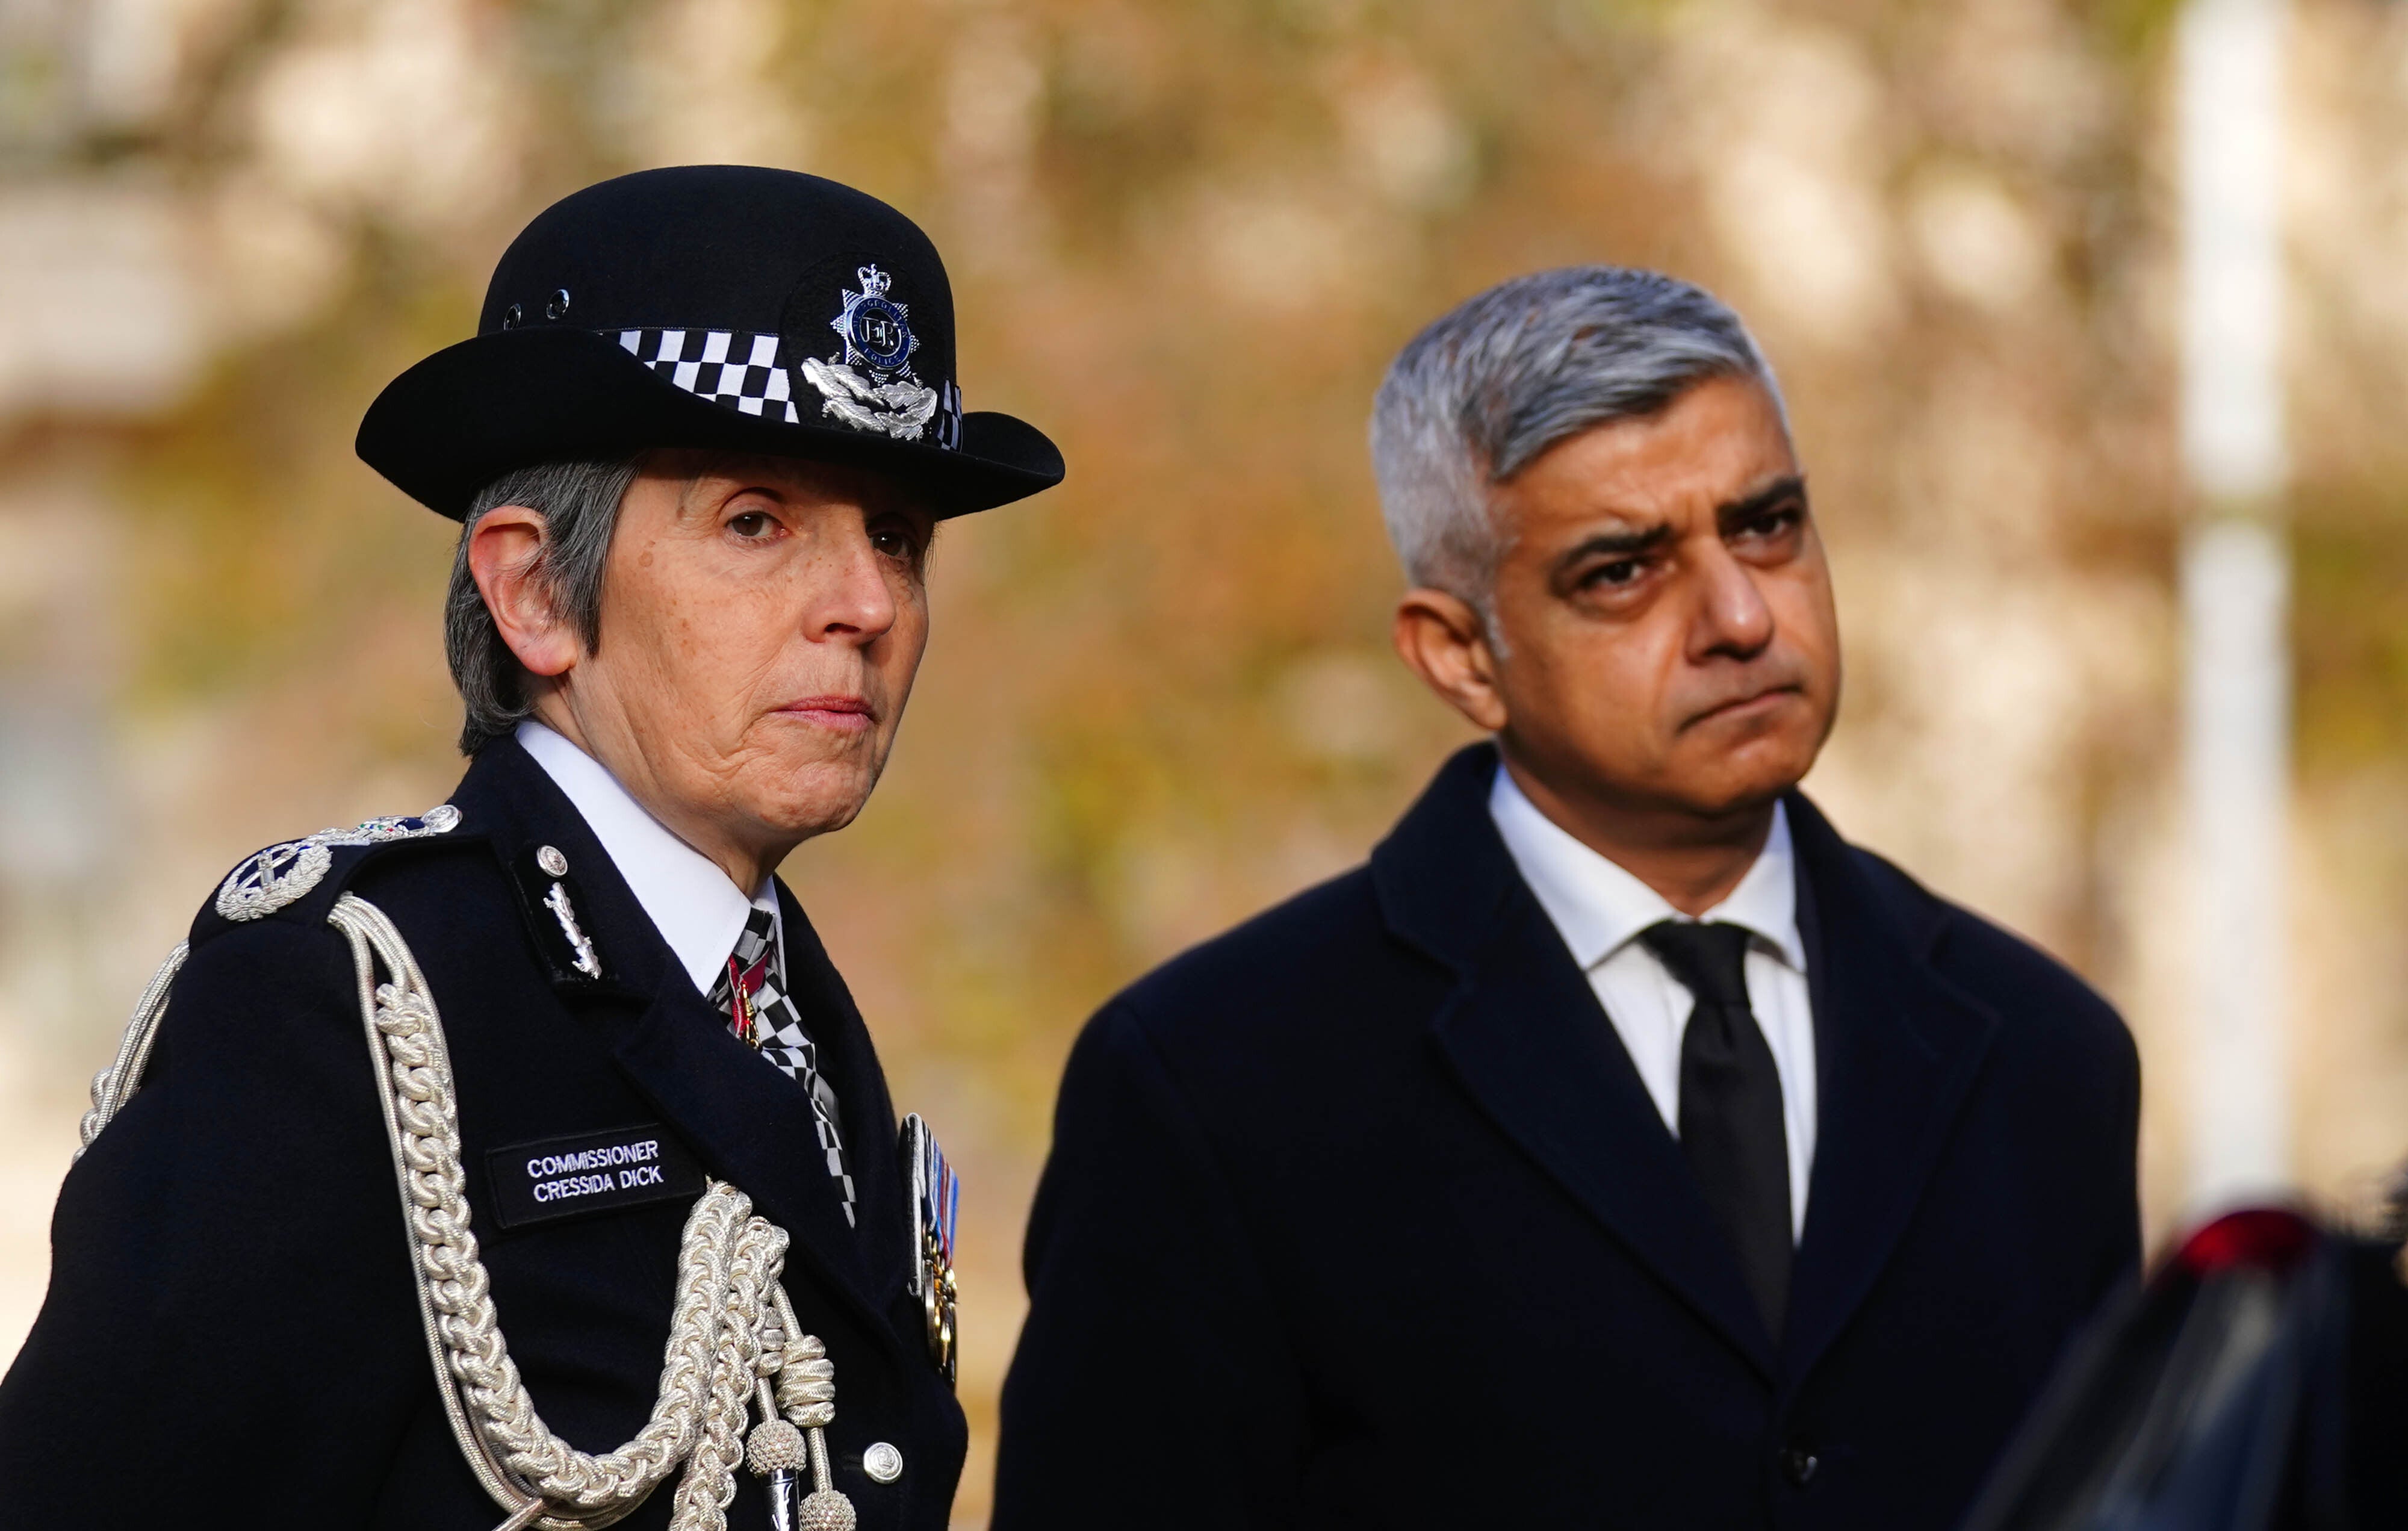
1732	617
853	598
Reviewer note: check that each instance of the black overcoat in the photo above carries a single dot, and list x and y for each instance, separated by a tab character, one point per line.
1360	1216
231	1335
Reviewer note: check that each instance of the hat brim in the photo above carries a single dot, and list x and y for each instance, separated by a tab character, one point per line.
471	412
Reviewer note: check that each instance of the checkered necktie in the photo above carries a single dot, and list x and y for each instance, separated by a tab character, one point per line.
751	994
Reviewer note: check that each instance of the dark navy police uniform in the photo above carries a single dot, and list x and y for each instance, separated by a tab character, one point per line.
233	1333
1361	1216
232	1336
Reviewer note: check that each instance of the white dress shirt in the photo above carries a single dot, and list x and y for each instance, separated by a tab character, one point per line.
698	909
1599	909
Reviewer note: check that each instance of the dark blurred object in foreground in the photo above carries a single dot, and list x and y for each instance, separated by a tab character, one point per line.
2257	1382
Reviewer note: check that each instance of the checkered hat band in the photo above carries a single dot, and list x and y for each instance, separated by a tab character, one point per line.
745	371
751	373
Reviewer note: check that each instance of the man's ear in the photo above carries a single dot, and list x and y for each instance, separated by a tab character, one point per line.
1446	643
503	553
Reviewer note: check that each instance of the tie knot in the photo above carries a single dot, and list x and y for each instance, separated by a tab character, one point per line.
758	938
758	925
1709	959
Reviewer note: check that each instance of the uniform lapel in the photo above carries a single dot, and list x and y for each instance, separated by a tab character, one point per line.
869	1122
1897	1050
750	1124
1525	1034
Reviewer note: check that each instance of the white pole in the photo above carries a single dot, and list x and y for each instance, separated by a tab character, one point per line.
2235	581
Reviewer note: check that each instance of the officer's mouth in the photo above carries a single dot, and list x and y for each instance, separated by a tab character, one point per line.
843	714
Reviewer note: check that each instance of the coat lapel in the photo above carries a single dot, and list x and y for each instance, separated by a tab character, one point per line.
1897	1050
1523	1032
1527	1039
750	1124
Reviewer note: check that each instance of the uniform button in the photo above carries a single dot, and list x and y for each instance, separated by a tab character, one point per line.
552	861
1797	1465
883	1463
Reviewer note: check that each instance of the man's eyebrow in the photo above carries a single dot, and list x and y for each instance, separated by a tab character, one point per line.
1617	544
1788	486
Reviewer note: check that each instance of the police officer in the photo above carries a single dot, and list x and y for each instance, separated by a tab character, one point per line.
525	1161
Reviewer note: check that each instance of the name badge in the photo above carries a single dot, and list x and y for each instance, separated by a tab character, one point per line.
591	1172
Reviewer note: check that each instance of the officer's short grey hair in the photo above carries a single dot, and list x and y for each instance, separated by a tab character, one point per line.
1478	397
580	506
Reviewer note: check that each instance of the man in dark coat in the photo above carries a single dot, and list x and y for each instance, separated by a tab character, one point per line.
1620	1147
451	1121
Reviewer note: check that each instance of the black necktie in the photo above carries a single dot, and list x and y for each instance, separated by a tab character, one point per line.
1731	1129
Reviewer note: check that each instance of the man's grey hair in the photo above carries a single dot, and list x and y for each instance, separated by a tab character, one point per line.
580	506
1477	397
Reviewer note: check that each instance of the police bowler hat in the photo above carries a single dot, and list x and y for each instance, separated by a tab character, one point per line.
721	307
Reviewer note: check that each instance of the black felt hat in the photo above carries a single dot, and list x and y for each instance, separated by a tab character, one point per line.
707	305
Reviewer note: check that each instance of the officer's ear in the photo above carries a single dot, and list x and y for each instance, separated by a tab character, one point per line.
505	559
1445	641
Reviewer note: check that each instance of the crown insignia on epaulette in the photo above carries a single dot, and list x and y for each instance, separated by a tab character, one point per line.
269	879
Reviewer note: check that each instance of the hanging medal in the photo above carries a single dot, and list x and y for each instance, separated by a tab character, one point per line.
936	1203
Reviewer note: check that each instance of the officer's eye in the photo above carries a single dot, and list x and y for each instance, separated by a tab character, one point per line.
895	543
753	525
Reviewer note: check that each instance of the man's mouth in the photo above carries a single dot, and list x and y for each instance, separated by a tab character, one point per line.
1746	707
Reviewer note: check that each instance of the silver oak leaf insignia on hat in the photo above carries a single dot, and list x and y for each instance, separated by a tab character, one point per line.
871	387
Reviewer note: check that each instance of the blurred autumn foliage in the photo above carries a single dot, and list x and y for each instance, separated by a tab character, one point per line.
1185	238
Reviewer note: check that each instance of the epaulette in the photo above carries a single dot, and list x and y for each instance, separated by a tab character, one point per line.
263	883
286	873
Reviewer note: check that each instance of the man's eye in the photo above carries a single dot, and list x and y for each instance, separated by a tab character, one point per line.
753	524
1622	571
892	544
1771	523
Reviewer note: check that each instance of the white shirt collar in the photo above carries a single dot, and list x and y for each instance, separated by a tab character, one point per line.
696	908
1599	907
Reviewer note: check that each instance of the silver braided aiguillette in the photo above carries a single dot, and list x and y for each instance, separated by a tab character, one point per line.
732	1333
